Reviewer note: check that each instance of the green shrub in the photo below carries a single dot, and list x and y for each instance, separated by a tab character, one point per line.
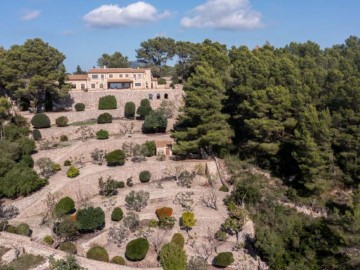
64	138
144	176
144	109
67	228
104	118
129	182
154	122
107	103
11	229
150	147
67	163
98	254
120	184
3	225
164	212
137	249
166	223
221	236
79	107
102	134
90	219
118	260
23	229
36	135
27	161
68	247
40	120
224	188
115	158
56	167
64	207
62	121
153	223
223	259
161	81
48	240
129	110
117	214
178	239
172	257
72	172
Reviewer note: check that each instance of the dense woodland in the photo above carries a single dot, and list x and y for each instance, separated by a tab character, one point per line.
293	111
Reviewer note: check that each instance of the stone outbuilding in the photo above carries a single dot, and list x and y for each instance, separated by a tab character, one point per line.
164	147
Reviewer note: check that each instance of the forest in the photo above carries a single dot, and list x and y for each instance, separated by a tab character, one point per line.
292	111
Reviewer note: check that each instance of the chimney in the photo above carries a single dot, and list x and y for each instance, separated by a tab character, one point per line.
104	67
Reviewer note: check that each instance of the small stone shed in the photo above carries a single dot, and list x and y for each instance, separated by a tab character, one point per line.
164	147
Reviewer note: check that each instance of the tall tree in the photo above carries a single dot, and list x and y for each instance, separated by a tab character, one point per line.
79	71
202	125
156	51
35	72
115	60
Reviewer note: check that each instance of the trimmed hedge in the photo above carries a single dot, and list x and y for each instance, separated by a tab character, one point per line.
64	138
144	176
164	212
129	111
23	229
223	259
102	134
67	163
104	118
62	121
178	239
118	260
115	158
155	122
48	240
107	103
117	214
98	254
79	107
65	206
137	249
40	120
72	172
36	135
90	219
11	229
68	247
144	109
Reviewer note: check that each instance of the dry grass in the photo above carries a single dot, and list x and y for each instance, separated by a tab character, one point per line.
25	262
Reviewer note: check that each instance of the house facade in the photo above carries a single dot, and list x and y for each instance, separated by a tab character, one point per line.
98	79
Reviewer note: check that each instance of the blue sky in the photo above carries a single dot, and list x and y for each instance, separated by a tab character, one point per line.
85	29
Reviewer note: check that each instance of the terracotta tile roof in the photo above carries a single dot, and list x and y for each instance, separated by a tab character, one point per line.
163	143
116	70
79	77
120	80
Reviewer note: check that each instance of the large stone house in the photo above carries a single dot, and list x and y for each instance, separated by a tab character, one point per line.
98	79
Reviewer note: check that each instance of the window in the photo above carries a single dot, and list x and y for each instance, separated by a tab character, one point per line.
166	96
94	76
110	76
139	76
101	85
138	84
134	76
93	85
127	75
82	86
102	76
73	86
150	96
120	75
158	96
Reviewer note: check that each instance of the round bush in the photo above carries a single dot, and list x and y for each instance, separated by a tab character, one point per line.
129	110
40	120
144	108
64	138
107	103
65	206
68	247
56	167
164	212
137	249
120	184
98	254
23	229
36	135
154	122
118	260
79	107
224	188
223	259
48	240
178	239
67	163
90	219
144	176
62	121
221	236
115	158
102	134
72	172
117	214
104	118
11	229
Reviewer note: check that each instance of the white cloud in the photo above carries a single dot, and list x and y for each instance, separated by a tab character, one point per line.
223	14
30	15
107	16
